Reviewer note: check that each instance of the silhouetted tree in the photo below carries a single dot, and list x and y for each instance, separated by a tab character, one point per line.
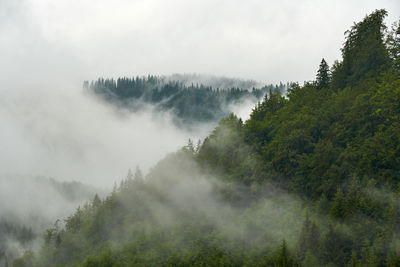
323	75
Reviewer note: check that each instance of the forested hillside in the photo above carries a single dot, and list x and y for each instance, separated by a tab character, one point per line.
40	201
191	103
311	179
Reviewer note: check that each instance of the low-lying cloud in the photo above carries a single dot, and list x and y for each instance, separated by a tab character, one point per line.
67	135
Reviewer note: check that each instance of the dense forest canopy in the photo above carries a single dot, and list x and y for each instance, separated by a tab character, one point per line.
311	179
223	83
190	102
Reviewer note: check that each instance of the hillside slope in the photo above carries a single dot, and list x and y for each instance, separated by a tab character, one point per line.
311	179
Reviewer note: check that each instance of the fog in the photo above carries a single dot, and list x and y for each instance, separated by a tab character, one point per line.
31	204
177	191
51	128
60	132
68	135
47	50
55	130
41	201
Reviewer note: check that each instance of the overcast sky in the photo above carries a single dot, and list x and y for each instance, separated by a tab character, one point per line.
264	40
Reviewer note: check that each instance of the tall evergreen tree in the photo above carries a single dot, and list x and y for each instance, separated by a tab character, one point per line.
309	238
96	203
283	259
364	52
335	247
323	75
338	208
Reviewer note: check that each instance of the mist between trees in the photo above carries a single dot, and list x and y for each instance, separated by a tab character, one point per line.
310	179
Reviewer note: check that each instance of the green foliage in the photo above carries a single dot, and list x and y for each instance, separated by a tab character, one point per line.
190	103
338	146
283	258
364	52
310	260
323	75
333	144
338	208
171	218
308	239
393	43
27	260
335	247
104	260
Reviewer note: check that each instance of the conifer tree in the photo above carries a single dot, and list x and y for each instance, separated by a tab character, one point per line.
283	259
190	146
323	75
96	203
304	237
338	208
309	237
364	52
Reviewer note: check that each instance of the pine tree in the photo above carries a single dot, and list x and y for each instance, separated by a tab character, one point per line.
323	75
198	146
190	146
283	259
96	203
338	208
304	237
335	247
309	238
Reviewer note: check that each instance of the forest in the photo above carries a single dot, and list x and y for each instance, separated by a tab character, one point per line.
190	103
310	179
41	201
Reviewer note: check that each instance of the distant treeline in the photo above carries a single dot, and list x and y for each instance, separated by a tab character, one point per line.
189	103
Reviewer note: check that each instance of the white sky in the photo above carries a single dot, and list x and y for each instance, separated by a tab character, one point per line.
264	40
